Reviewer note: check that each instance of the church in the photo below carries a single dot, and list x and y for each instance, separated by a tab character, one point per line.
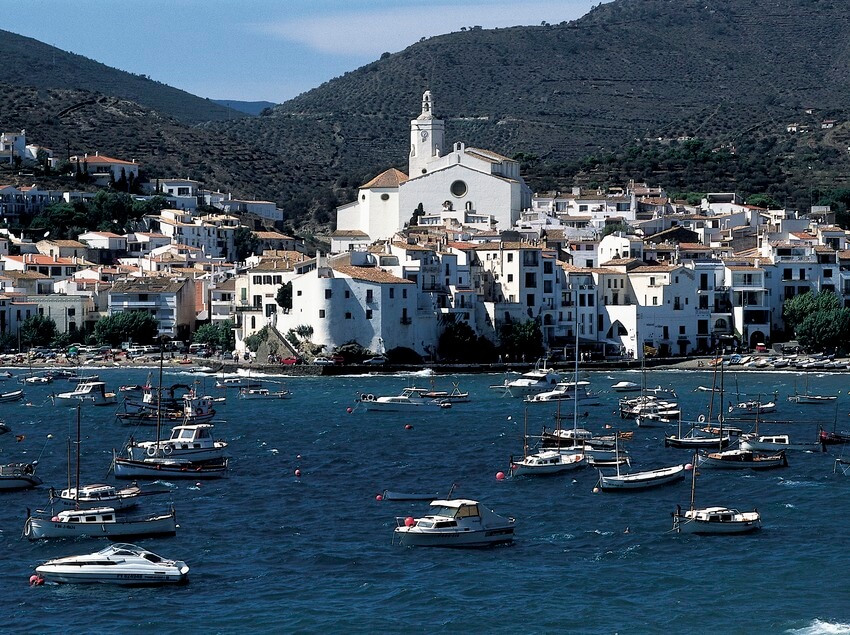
468	185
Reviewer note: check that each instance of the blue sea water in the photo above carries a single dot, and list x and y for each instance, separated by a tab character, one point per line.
270	552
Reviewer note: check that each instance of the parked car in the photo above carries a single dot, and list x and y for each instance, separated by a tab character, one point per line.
323	361
290	361
375	361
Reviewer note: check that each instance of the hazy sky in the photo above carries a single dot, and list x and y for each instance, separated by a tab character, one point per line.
258	49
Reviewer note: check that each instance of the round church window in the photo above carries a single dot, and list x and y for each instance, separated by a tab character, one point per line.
458	188
385	197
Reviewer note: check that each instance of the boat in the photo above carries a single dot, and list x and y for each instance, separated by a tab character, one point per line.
409	398
192	441
14	395
698	437
809	398
739	459
567	391
776	442
263	393
37	379
101	495
454	523
238	382
93	392
455	396
625	386
540	379
713	520
119	563
194	409
642	479
833	437
167	468
650	407
96	522
392	495
546	462
14	476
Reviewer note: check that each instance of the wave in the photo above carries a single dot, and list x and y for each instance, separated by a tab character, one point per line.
821	627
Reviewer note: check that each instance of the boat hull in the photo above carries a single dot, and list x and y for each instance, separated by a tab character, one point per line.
38	528
70	574
716	521
416	537
641	480
130	468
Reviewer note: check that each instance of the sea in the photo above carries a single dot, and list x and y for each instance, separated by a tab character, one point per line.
295	539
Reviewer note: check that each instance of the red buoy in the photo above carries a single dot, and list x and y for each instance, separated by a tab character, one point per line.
500	476
409	521
379	498
408	427
349	410
297	473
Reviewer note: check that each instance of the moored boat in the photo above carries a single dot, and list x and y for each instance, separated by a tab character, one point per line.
540	379
100	495
118	563
98	521
15	476
12	395
410	398
776	442
641	479
91	392
715	520
739	459
546	462
194	442
455	523
263	393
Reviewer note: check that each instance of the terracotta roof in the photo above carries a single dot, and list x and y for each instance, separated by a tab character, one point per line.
693	247
391	178
148	285
370	274
620	261
28	275
349	233
65	243
100	159
272	236
743	268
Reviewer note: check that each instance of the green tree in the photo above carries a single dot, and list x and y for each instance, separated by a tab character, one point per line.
617	227
38	330
458	343
796	309
245	243
521	340
284	296
218	334
137	326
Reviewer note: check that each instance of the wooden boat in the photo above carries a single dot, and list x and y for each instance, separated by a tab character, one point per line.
99	521
91	392
166	468
263	393
639	480
119	563
455	396
14	476
101	495
14	395
739	459
776	442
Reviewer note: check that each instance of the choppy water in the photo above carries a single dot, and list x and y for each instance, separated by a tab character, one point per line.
270	552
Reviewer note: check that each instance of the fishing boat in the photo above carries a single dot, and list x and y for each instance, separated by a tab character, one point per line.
640	480
739	459
454	523
14	476
101	495
808	398
263	393
625	386
539	379
455	396
194	409
240	382
546	462
410	398
96	522
697	436
91	392
13	395
713	520
118	563
776	442
192	441
751	408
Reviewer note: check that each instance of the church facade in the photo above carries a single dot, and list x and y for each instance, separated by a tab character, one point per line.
461	183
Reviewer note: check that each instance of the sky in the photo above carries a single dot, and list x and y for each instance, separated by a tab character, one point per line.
258	50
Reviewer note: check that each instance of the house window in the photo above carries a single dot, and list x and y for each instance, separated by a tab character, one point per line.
510	277
328	294
458	189
404	293
347	294
368	314
258	279
348	315
529	300
297	292
321	313
277	279
72	312
510	257
143	297
655	300
392	292
531	280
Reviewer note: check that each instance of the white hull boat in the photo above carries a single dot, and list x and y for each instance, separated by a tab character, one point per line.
715	520
239	383
410	398
455	523
567	391
118	563
641	480
625	386
90	392
167	468
534	381
98	522
810	399
547	462
193	442
100	495
14	476
263	393
751	408
14	395
739	459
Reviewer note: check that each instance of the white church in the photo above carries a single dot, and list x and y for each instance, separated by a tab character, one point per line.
467	185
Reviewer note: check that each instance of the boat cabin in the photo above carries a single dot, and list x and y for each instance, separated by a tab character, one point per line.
99	515
193	436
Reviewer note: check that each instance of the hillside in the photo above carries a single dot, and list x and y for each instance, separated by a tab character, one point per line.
28	62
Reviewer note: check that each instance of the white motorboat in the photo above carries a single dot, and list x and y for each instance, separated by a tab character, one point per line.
455	523
118	563
13	395
648	405
641	480
625	386
539	379
409	398
99	521
715	520
751	408
192	441
567	391
100	495
263	393
776	442
93	392
18	476
239	383
739	459
546	462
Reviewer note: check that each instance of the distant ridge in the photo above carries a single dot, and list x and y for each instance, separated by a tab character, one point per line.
28	62
248	107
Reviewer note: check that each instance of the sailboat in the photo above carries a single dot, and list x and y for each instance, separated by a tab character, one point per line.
776	442
702	439
809	398
95	521
545	461
713	520
162	463
639	480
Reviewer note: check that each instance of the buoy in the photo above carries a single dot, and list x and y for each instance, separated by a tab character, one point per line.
349	410
509	417
595	490
298	456
36	580
500	476
198	484
408	427
297	473
689	466
379	498
409	521
49	436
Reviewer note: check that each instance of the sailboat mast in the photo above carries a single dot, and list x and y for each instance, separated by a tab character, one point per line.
693	481
159	400
77	486
575	379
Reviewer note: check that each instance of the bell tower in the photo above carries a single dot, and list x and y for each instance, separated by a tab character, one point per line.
426	138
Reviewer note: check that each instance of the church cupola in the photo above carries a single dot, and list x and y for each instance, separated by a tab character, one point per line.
426	138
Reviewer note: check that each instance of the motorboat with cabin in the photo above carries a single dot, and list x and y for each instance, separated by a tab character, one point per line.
193	441
15	476
410	398
119	563
100	495
740	459
546	462
777	442
715	520
567	391
92	392
539	379
454	523
263	393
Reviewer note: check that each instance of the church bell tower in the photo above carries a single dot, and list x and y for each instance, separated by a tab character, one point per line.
426	138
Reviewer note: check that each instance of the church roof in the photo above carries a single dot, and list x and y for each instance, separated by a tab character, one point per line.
386	179
487	155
